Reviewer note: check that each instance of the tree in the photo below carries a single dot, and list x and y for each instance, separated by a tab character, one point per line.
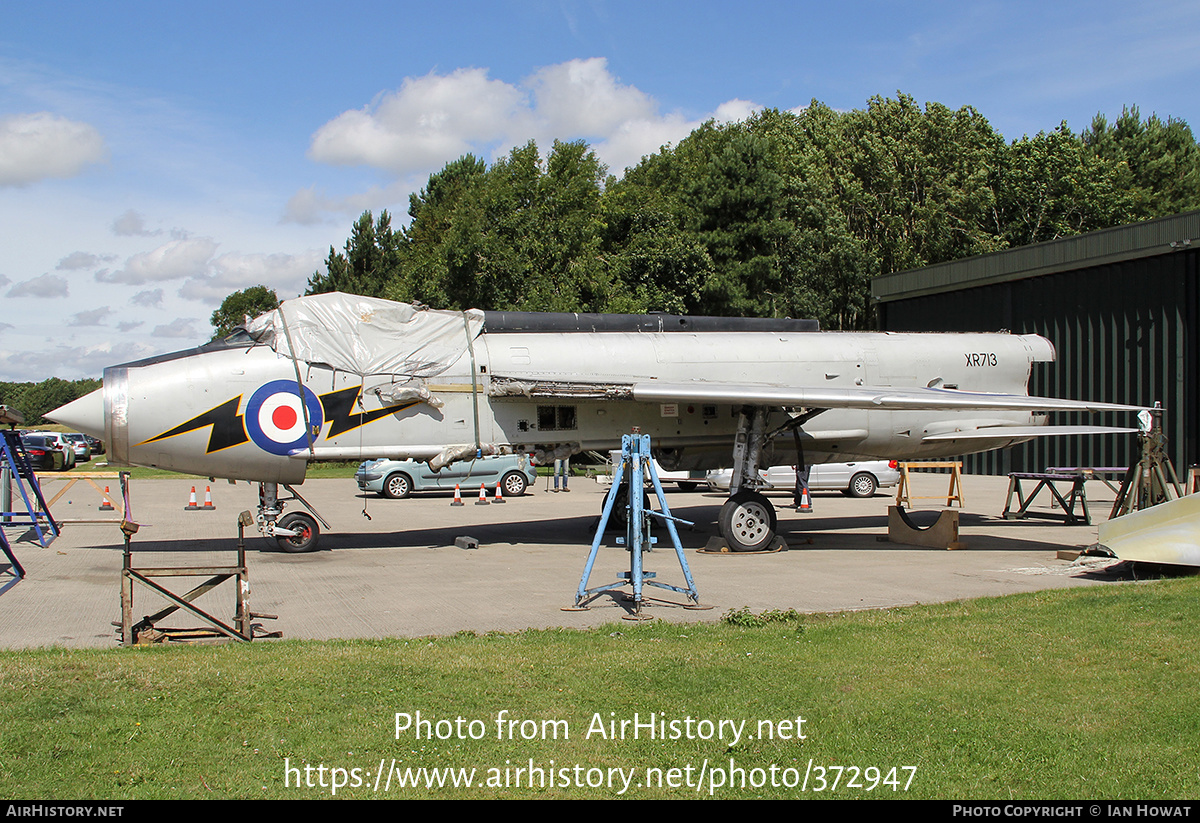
35	399
1161	161
782	214
370	260
1052	185
238	306
523	234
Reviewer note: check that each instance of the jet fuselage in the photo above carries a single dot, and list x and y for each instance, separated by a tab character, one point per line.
235	411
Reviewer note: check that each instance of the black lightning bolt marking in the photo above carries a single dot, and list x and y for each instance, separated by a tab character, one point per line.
339	404
228	430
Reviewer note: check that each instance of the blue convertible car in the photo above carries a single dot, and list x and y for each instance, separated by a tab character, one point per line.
400	478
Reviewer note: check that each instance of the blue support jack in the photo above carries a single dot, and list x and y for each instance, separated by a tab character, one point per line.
634	467
18	571
18	471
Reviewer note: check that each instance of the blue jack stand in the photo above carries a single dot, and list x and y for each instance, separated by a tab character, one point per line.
17	570
16	468
635	457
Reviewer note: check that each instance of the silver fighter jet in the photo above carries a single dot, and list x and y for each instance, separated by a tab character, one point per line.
342	377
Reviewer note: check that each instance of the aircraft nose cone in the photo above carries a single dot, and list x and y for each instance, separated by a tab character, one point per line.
83	415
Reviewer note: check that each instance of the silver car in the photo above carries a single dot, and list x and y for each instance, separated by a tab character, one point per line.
398	479
83	449
859	479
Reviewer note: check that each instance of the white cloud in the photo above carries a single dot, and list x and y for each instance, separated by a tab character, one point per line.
287	274
90	317
309	207
731	111
180	327
82	260
428	120
132	224
129	325
46	285
176	260
580	98
68	362
148	298
40	145
432	120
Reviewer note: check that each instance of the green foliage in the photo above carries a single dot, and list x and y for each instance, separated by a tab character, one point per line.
1052	186
238	306
783	214
1159	163
370	260
745	617
35	399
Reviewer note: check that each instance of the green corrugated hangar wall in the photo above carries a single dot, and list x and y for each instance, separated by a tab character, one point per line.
1120	307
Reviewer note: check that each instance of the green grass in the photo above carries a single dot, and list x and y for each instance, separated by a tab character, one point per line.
1082	694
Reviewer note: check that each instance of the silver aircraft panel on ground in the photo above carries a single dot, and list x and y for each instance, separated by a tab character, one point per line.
370	378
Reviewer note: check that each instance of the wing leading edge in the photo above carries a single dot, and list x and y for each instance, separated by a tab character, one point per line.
861	397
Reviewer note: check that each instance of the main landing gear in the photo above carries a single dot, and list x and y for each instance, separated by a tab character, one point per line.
295	531
747	520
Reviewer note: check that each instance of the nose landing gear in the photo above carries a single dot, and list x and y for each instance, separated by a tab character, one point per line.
295	532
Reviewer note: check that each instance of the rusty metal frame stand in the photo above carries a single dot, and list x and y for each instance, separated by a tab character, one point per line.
1078	494
1152	479
146	629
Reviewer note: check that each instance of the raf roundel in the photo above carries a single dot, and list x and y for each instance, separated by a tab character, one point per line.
275	417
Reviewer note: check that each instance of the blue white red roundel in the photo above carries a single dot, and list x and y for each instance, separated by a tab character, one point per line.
275	417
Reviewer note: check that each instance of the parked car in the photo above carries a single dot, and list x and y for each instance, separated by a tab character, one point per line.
860	479
399	478
60	444
42	454
83	450
686	481
96	444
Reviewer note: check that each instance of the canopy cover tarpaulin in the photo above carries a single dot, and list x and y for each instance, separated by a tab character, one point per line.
367	335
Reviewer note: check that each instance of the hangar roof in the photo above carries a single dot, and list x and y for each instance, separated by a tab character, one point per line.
1152	237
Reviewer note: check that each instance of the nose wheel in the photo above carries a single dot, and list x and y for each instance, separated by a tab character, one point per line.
304	532
295	532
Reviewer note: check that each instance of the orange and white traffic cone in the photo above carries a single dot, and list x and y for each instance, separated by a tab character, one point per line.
499	497
482	501
208	504
191	506
107	505
457	497
805	501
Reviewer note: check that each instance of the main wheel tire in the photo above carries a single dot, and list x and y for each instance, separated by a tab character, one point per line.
306	540
686	485
514	484
397	486
747	522
620	510
863	484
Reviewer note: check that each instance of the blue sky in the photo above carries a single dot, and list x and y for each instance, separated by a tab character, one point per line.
155	157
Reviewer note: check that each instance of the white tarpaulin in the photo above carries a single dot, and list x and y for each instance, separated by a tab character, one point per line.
367	335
